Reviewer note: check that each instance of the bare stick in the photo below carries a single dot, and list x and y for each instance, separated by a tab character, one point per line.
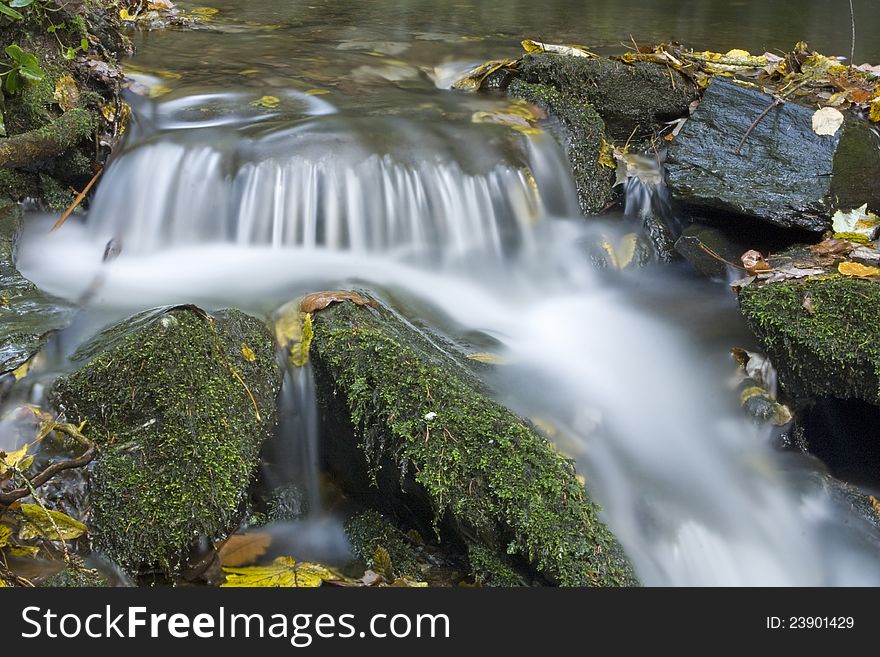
852	51
79	199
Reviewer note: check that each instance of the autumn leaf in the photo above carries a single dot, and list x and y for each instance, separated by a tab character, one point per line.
382	563
267	102
5	534
46	523
858	270
857	222
537	47
66	93
248	353
320	300
488	359
473	79
754	262
283	572
244	549
17	459
827	121
620	255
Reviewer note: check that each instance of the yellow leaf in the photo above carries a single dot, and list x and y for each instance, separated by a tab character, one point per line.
248	71
46	523
66	93
284	572
488	359
5	534
382	563
22	370
621	254
125	16
536	47
606	155
204	12
317	92
858	270
248	353
3	584
268	102
244	549
874	113
4	301
407	582
26	551
13	459
472	80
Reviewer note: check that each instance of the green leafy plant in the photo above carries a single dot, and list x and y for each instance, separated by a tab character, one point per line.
9	10
25	68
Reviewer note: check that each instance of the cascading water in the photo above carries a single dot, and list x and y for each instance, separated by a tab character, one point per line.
475	229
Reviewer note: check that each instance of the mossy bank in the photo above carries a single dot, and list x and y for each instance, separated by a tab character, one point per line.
180	403
425	428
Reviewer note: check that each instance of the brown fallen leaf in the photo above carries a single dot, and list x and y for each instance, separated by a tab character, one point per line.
754	262
320	300
858	270
244	549
786	273
832	247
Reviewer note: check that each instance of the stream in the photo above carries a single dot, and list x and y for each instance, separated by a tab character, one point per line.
284	148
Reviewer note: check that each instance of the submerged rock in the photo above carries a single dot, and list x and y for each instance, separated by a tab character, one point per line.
180	403
707	248
784	172
28	314
418	425
821	333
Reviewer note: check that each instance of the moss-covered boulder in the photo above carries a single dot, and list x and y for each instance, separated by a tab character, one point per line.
425	428
27	315
180	403
634	100
821	333
581	131
60	120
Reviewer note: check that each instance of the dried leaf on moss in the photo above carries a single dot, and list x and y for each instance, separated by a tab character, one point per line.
858	270
537	47
244	549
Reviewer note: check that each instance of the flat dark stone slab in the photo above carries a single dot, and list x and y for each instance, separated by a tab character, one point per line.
785	173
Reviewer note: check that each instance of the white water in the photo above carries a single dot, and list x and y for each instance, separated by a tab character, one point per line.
690	488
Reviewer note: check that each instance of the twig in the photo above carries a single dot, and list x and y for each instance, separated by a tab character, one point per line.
719	258
777	101
79	199
852	51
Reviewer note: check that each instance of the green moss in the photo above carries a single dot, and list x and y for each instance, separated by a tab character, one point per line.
582	134
638	98
369	531
489	569
833	349
500	482
178	430
75	576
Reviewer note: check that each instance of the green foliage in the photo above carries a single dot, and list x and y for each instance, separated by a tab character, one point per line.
369	532
478	462
25	68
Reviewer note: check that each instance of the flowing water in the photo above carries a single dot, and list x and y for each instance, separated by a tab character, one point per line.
364	172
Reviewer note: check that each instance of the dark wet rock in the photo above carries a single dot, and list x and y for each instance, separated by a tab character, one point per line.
821	334
706	248
581	131
785	173
417	424
637	98
369	531
180	413
28	315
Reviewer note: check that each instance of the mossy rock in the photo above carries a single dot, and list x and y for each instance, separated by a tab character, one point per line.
423	425
61	136
829	347
180	414
635	101
27	315
369	531
582	133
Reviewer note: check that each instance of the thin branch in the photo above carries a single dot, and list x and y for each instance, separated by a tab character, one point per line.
79	199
